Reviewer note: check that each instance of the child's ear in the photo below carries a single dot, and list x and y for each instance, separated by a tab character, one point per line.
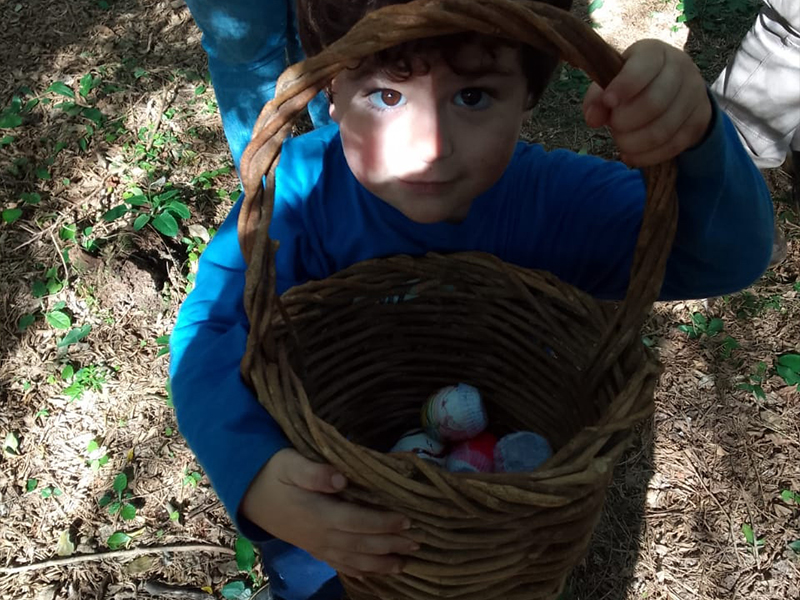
329	92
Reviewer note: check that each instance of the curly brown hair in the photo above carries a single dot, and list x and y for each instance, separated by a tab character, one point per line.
322	22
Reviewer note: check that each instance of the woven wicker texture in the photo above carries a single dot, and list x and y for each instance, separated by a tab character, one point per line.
343	364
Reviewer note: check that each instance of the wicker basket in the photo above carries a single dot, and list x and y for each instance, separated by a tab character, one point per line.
342	370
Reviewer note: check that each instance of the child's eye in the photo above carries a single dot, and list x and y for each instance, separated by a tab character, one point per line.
386	98
474	98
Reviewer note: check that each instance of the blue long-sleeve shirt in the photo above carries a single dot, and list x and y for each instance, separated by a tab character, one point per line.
575	216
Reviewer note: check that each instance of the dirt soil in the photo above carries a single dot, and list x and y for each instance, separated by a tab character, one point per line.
715	457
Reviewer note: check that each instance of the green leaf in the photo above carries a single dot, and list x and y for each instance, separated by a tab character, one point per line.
792	361
94	115
11	214
235	590
136	200
142	220
59	87
67	372
25	321
58	319
120	483
699	319
166	224
105	500
747	530
10	121
75	336
31	485
795	546
594	6
788	375
688	330
87	84
6	139
115	213
114	507
68	232
789	496
118	540
245	554
11	443
30	198
179	209
92	446
47	492
750	537
128	512
715	326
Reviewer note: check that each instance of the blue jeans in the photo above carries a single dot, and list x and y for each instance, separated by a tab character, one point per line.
249	44
296	575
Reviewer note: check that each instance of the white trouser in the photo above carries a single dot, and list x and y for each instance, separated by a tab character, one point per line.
760	87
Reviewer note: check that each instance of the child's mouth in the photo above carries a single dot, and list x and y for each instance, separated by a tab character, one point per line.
427	187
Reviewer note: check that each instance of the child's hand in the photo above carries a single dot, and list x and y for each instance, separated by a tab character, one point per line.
290	498
656	107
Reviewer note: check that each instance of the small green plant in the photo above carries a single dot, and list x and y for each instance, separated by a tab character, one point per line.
50	284
118	540
163	345
162	211
700	325
750	537
88	378
57	318
75	335
245	562
728	345
50	492
790	497
96	456
11	443
788	368
754	381
191	478
118	500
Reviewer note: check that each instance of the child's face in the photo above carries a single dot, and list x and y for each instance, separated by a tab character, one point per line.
430	145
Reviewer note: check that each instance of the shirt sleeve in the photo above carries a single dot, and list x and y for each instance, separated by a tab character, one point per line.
231	434
585	216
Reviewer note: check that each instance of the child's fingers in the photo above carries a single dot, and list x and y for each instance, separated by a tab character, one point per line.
697	123
352	518
682	126
297	470
595	112
372	543
358	565
643	61
658	98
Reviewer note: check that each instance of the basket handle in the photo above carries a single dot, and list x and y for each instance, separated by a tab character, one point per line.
534	23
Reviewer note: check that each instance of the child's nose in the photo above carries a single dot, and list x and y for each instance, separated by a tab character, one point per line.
431	136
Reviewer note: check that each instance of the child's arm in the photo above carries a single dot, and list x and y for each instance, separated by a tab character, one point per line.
267	488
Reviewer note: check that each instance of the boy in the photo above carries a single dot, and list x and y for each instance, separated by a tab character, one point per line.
425	158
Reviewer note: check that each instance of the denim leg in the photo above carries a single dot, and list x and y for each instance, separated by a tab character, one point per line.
246	42
296	575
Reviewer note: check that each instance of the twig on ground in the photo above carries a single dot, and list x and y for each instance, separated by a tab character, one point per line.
157	588
60	255
116	555
168	98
